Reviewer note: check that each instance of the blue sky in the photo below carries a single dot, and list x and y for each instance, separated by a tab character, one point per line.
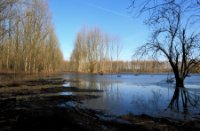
112	16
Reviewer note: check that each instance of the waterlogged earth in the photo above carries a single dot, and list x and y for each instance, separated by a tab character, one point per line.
133	93
94	102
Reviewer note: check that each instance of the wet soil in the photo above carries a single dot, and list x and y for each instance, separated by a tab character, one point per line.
37	105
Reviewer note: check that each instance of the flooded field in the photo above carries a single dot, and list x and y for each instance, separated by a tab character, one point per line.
138	94
94	102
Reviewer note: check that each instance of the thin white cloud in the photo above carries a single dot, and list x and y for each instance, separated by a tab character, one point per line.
109	11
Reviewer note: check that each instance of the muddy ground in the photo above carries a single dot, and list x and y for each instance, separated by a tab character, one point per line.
34	105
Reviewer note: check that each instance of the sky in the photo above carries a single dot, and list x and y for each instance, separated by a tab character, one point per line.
111	16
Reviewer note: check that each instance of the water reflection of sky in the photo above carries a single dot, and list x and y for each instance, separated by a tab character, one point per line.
138	94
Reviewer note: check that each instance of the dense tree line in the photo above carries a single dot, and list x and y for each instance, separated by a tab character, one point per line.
93	49
28	41
139	66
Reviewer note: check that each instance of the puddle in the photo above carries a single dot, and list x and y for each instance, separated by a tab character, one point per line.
65	93
112	118
69	104
66	84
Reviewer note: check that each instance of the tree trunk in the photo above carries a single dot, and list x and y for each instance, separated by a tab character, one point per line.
179	82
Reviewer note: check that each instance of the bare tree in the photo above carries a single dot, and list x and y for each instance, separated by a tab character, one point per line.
6	15
93	50
175	35
118	49
28	42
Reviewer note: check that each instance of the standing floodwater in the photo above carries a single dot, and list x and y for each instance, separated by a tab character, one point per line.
139	94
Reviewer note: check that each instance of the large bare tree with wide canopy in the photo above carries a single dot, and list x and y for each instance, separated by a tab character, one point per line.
176	36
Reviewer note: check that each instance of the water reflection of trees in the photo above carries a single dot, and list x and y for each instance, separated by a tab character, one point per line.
152	104
111	96
91	83
183	99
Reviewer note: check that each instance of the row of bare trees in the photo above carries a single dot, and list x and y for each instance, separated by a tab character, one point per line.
28	41
139	66
93	49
